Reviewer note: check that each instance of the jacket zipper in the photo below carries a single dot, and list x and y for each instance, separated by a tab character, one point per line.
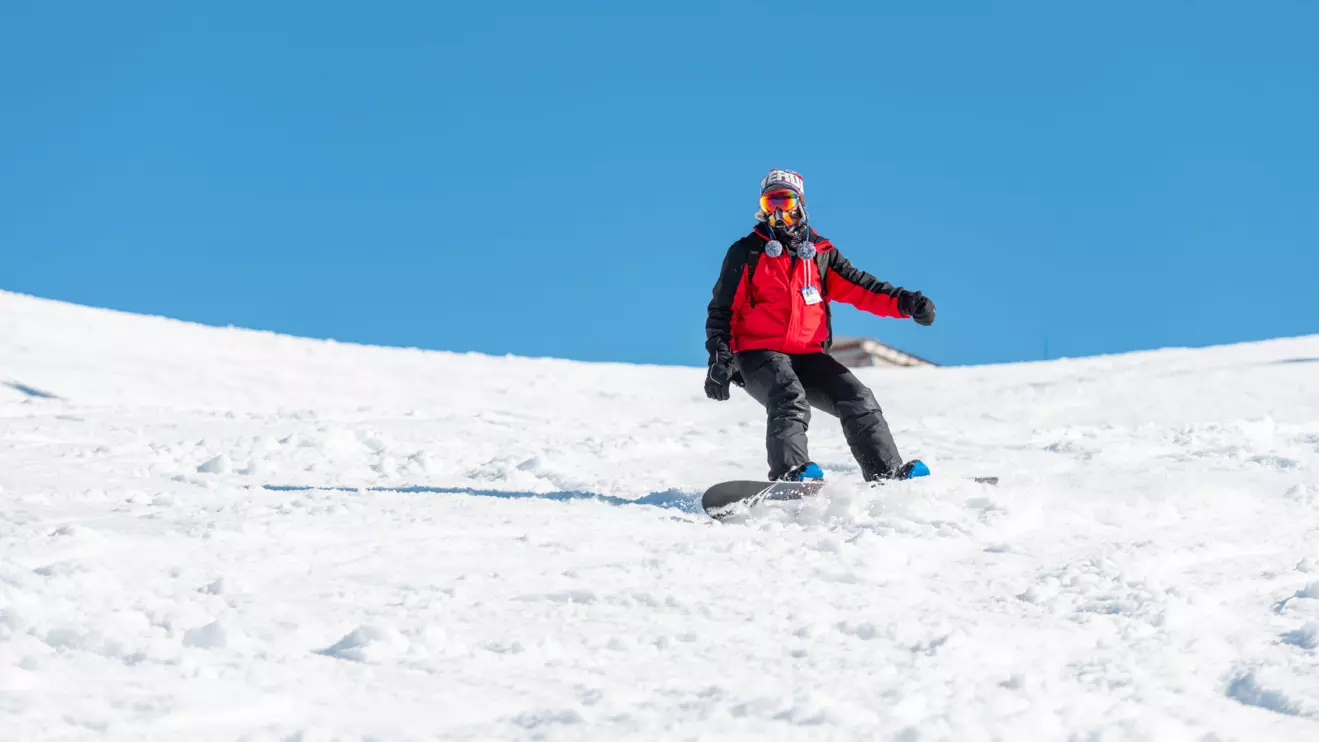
794	295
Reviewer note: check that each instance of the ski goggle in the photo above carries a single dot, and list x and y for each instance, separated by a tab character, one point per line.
785	201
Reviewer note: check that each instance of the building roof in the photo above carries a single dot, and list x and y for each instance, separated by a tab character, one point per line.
858	352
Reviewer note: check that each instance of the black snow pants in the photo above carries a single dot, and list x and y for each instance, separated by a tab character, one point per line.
790	385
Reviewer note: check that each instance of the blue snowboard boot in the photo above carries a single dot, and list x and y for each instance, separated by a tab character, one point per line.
912	469
808	472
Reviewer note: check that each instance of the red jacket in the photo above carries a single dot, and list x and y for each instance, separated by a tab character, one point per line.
771	311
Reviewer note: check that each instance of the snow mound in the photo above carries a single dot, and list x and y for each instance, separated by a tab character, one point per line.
214	635
213	533
369	644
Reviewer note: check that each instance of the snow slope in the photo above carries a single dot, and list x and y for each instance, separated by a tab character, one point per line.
221	534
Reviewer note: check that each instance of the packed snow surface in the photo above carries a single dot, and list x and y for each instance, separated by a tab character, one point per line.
214	534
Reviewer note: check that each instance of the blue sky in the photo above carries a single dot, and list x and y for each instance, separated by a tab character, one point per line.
563	178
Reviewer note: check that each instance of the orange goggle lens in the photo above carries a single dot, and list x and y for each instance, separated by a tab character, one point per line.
773	201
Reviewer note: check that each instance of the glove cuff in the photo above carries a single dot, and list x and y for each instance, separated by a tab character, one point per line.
719	351
908	301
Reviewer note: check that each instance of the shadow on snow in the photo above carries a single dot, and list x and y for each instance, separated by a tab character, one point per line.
668	499
29	390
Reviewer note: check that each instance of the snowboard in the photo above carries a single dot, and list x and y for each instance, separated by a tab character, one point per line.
721	499
724	498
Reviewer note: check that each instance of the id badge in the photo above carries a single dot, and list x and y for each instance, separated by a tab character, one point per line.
812	295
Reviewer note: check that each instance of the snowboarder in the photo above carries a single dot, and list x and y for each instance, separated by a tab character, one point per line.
769	330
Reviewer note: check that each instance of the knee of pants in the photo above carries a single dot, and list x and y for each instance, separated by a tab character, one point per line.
789	405
863	404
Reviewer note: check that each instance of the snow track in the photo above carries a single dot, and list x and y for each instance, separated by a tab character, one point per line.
213	533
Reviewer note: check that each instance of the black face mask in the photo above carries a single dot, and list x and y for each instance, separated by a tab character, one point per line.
796	239
796	233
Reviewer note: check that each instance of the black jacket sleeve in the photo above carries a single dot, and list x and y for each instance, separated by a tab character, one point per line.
719	318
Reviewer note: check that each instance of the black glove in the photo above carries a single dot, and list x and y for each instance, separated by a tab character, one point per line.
719	375
917	306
